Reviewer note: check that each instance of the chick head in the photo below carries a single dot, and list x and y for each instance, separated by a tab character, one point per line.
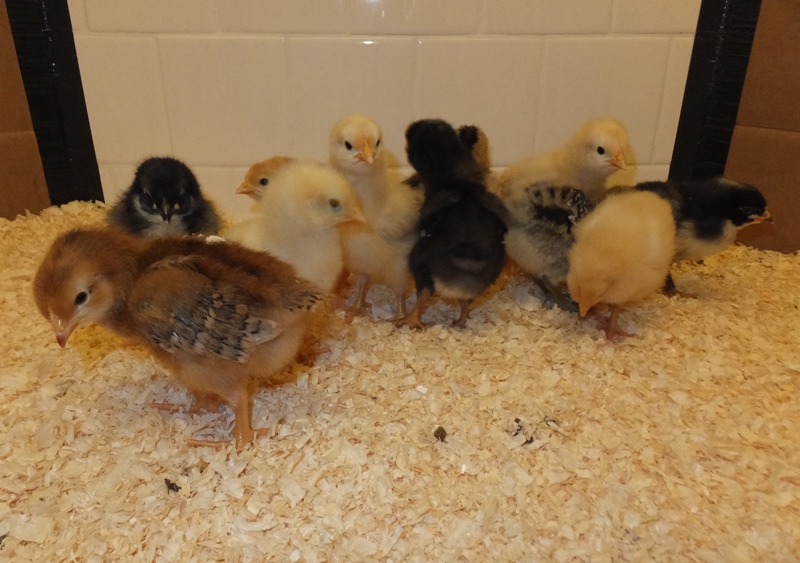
258	176
79	280
165	186
591	278
434	147
319	195
743	204
356	144
601	145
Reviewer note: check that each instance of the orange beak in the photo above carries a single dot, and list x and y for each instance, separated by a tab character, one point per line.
584	307
355	215
763	218
61	329
619	161
246	189
366	154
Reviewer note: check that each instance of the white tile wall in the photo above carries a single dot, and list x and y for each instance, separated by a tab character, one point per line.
223	83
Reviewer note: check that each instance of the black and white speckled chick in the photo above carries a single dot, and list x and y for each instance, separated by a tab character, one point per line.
461	251
164	199
708	214
540	236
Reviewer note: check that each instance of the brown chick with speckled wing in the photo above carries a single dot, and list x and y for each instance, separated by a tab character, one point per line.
260	175
221	317
622	253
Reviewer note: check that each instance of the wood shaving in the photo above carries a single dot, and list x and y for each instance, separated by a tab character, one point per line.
680	444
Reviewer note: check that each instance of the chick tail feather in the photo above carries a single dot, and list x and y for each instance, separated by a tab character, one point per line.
468	258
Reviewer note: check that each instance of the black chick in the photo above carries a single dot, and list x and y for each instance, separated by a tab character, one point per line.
475	140
164	199
708	215
460	251
540	235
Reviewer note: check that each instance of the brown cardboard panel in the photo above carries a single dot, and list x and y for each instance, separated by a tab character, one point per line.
771	94
22	184
769	160
14	114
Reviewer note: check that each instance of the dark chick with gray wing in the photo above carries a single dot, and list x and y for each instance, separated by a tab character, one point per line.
460	252
708	214
164	199
541	236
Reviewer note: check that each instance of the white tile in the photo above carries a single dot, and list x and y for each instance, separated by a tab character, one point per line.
620	77
226	98
282	16
116	178
219	184
655	16
124	97
680	54
330	78
489	82
77	15
413	16
152	16
547	16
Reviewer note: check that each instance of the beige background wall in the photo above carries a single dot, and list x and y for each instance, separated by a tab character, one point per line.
223	83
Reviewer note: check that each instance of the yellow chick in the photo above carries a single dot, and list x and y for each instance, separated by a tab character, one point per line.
622	253
259	175
298	221
584	162
378	251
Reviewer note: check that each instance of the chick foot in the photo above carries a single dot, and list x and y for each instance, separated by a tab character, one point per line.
612	327
202	402
550	290
414	319
219	444
310	351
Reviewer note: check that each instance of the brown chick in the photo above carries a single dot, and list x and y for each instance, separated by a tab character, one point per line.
622	252
219	316
259	176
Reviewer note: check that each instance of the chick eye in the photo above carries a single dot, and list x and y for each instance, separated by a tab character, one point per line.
348	146
601	150
748	211
81	298
264	181
378	144
334	203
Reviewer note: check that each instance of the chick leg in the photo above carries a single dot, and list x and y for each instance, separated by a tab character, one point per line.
414	318
241	401
402	312
359	306
612	327
202	402
564	303
461	322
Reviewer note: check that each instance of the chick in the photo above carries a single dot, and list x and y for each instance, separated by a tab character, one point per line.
540	239
164	199
708	215
259	175
218	316
584	162
476	140
298	221
377	251
622	251
460	252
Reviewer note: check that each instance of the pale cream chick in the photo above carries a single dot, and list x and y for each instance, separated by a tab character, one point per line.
597	150
260	174
378	251
298	223
622	253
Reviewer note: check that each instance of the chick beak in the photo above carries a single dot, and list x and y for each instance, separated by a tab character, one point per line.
166	213
584	307
61	329
366	154
763	218
245	189
619	161
355	215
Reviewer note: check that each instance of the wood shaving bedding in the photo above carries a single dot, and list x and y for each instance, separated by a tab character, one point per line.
680	444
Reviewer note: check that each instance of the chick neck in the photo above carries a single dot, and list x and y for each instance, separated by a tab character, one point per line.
370	183
571	161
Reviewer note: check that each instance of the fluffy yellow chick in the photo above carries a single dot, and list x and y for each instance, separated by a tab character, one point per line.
378	251
622	253
259	176
597	150
298	221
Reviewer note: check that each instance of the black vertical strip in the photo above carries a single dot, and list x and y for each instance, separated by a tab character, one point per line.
725	30
48	62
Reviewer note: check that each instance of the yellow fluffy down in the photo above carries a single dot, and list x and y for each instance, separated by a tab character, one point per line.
622	251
